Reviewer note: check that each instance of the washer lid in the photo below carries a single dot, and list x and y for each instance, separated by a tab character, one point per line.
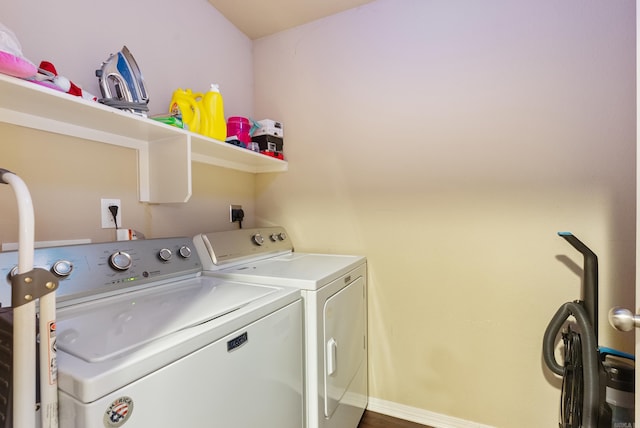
113	326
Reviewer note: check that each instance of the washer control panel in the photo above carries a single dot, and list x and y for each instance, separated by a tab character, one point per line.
111	267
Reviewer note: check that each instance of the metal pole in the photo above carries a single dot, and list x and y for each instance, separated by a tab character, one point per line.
24	316
24	328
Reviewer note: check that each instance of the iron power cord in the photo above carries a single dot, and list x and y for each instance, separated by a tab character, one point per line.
240	218
237	214
113	209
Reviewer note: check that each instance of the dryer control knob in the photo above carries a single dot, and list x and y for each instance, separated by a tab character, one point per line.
62	268
258	239
165	254
274	237
282	236
120	260
185	252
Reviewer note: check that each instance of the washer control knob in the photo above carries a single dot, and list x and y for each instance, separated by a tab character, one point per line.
274	237
185	252
165	254
282	236
258	239
62	268
120	261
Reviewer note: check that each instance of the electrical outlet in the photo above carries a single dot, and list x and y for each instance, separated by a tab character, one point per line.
234	213
107	217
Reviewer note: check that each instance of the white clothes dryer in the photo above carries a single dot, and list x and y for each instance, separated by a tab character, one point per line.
334	292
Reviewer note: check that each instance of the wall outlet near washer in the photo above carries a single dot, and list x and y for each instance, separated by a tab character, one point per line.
107	217
235	213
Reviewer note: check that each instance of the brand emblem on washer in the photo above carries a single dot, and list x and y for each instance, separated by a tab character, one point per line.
118	412
237	342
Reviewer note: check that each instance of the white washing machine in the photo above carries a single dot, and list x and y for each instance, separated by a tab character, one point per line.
334	292
144	340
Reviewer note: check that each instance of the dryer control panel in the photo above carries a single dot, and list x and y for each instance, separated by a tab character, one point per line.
238	245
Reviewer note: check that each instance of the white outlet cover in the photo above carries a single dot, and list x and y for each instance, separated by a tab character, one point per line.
105	214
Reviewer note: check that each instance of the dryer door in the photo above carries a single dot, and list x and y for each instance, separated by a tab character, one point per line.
344	342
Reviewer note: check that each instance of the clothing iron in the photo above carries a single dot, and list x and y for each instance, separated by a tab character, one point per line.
121	83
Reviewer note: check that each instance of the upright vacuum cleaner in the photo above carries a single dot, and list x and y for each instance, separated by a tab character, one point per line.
597	382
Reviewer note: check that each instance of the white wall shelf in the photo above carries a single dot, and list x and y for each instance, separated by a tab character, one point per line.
165	153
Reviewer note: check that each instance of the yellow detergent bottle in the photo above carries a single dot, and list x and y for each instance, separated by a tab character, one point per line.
213	108
205	120
184	103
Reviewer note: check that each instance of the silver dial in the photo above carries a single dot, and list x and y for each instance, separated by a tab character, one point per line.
120	260
282	236
62	268
165	254
258	239
185	252
274	237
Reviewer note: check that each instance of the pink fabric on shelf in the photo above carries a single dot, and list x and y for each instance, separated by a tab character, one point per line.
16	66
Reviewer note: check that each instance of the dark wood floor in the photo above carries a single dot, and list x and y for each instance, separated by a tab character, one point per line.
377	420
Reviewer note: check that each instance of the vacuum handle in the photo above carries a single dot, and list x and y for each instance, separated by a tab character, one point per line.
590	279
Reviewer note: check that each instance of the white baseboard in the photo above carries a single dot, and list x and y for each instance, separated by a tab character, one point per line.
419	416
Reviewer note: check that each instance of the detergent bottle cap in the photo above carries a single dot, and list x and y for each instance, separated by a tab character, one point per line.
215	87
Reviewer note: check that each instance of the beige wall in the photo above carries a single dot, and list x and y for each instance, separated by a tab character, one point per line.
449	141
187	45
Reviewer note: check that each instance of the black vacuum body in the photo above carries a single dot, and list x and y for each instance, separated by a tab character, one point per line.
597	383
620	391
